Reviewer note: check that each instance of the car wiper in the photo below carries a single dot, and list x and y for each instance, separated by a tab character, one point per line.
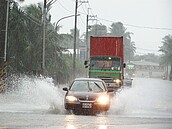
103	67
89	88
98	86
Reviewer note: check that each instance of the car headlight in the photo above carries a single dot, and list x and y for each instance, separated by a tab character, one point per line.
103	99
71	98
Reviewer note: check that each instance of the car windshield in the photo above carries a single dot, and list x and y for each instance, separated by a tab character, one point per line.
88	86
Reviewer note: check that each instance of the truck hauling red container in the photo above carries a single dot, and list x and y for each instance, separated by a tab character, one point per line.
107	60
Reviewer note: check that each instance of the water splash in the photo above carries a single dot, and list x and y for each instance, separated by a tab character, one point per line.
31	94
147	97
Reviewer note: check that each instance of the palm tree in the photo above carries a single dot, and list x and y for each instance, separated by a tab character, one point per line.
166	48
17	37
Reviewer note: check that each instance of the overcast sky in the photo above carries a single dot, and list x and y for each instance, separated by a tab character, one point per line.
136	15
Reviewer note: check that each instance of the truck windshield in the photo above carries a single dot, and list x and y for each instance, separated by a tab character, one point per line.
105	63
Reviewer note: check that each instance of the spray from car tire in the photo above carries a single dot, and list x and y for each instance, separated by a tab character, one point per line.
31	94
146	98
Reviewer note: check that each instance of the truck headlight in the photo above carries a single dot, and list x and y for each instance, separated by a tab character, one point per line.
103	99
71	98
117	81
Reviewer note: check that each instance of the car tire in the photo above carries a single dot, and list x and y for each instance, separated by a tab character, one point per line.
68	112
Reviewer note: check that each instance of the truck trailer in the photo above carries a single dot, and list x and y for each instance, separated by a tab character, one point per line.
107	60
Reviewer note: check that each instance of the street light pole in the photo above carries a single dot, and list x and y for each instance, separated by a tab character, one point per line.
64	18
75	30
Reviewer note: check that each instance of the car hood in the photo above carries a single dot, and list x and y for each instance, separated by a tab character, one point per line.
90	94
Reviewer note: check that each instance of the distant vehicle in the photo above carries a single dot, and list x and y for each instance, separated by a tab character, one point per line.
164	77
128	81
130	70
87	96
107	60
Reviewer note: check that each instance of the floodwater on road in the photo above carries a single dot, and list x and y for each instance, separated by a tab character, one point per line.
36	103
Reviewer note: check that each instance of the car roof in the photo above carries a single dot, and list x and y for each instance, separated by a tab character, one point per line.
89	79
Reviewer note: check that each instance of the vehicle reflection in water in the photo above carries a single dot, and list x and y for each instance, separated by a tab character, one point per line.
70	126
70	119
72	122
102	127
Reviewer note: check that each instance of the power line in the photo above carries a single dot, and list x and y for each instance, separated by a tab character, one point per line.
90	8
144	27
82	21
131	25
136	26
84	9
147	27
64	7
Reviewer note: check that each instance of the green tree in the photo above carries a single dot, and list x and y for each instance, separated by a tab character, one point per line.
77	37
27	48
118	30
166	48
17	37
98	30
151	57
25	39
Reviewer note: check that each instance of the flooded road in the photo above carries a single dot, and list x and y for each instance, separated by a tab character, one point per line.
37	104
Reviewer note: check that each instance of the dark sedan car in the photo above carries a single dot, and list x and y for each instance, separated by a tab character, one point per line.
87	96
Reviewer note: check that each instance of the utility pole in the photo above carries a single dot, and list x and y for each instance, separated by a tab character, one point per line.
3	70
75	31
87	35
87	27
43	38
74	48
87	43
46	8
6	32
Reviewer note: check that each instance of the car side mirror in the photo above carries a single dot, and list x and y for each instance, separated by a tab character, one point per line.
65	89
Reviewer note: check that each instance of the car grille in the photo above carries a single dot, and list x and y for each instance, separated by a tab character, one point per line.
87	98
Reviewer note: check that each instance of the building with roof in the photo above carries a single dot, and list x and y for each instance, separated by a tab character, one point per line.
145	69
